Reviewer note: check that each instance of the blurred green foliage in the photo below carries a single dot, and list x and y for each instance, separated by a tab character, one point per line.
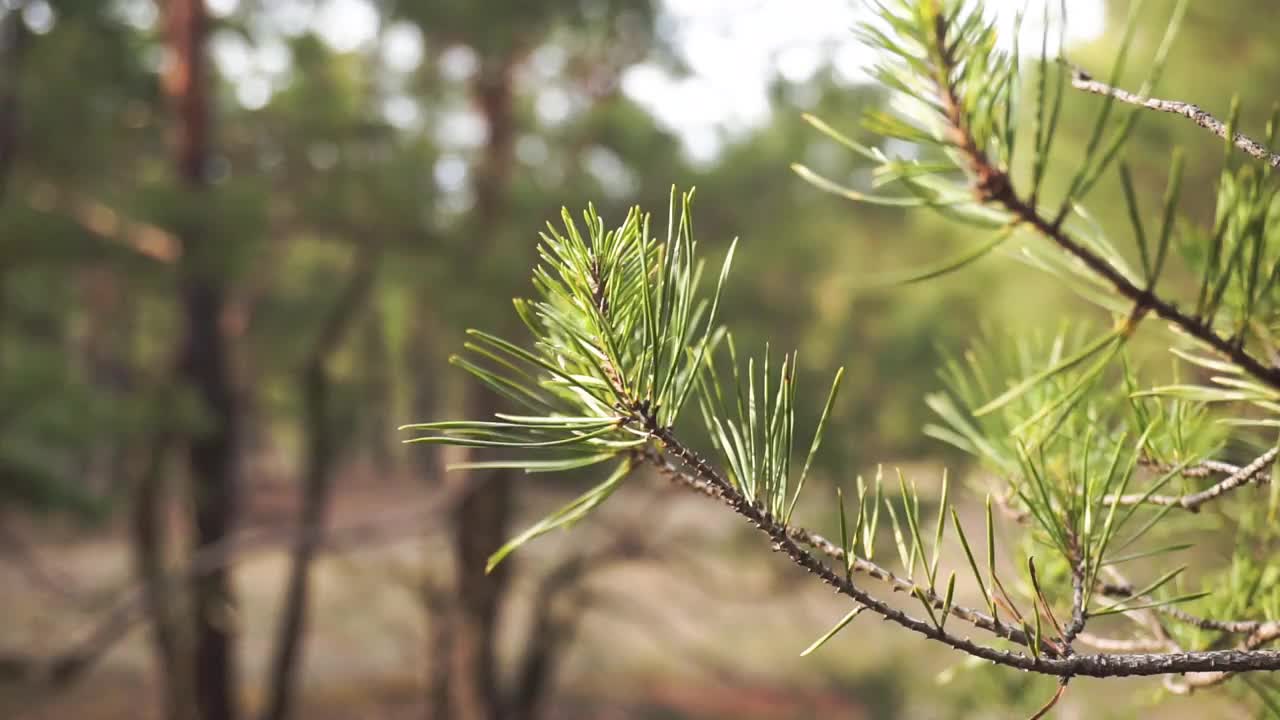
87	311
299	181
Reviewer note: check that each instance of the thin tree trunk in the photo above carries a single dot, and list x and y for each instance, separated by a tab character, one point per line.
378	419
211	457
437	595
12	43
148	546
437	600
282	682
203	365
317	483
551	632
483	518
480	528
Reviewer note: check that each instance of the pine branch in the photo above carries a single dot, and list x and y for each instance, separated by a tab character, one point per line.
1202	469
1057	695
1265	635
1079	613
1082	80
1236	627
1144	300
819	543
992	184
1193	501
1247	659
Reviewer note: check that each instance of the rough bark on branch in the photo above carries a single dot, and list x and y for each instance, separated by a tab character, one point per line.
1081	80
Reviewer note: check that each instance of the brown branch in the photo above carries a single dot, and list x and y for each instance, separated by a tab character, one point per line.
1094	665
1057	695
826	547
1259	633
1081	80
1193	501
1235	627
25	559
1142	299
1079	613
108	224
1202	469
1265	635
993	185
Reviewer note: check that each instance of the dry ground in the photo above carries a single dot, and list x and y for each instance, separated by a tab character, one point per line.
711	631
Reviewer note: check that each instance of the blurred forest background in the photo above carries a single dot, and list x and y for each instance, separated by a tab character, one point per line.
239	241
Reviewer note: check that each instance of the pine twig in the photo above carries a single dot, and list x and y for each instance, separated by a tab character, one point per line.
1066	666
1057	695
1081	80
817	542
1202	469
1079	614
1235	627
1193	501
993	185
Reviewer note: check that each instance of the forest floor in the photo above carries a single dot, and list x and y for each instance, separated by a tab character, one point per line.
705	624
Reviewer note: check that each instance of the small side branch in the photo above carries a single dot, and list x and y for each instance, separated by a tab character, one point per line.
1081	80
1057	695
1079	613
1234	627
1193	501
1202	469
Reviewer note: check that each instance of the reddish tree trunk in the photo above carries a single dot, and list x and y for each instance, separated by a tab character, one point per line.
203	366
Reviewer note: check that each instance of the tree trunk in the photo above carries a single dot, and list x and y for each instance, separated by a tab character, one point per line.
203	365
282	682
211	456
480	527
148	547
12	42
378	417
438	603
482	521
551	631
320	442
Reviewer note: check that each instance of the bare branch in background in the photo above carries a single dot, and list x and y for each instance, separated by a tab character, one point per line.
22	556
70	665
